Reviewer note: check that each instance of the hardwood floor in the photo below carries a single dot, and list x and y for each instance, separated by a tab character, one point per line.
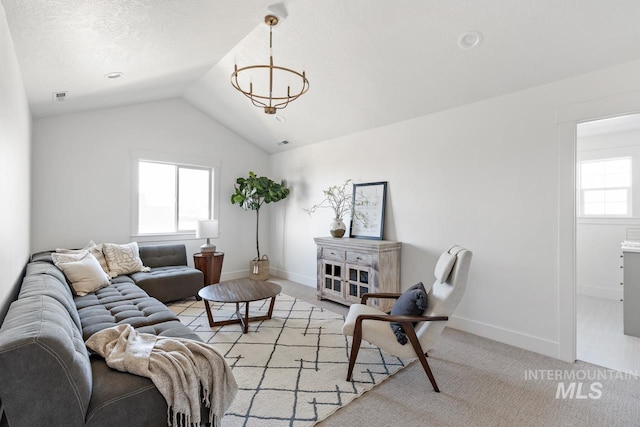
601	340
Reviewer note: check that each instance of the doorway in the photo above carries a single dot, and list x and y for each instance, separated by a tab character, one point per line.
607	201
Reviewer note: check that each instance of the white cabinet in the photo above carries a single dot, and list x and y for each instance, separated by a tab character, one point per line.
349	268
631	302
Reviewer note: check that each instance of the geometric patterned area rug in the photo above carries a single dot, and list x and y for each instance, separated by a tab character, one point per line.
290	369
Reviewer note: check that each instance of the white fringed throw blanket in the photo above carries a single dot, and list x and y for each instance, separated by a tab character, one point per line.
179	368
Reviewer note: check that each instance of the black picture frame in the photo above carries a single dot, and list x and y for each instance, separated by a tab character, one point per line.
369	201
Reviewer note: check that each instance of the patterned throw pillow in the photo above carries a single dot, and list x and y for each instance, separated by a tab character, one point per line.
123	259
83	271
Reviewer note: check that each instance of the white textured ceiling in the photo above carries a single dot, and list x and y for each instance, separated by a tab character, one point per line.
370	62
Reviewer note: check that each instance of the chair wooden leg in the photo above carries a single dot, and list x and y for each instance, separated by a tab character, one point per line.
411	334
355	347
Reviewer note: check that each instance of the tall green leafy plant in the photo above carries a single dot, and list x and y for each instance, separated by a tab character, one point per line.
253	192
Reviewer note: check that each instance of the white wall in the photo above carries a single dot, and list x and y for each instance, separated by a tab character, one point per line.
484	176
15	151
82	170
598	240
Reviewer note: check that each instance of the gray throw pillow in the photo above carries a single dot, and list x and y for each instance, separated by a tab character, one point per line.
413	302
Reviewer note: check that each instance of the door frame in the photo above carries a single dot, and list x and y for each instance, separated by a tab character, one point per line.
567	119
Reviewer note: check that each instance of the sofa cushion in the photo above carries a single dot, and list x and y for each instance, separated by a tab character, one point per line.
173	328
120	303
170	283
44	267
45	371
44	256
45	284
163	255
122	399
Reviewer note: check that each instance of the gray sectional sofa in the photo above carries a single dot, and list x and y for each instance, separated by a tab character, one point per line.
47	376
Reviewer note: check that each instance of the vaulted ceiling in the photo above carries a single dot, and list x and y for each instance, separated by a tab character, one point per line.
370	62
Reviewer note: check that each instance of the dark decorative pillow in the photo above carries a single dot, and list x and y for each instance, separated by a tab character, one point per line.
413	302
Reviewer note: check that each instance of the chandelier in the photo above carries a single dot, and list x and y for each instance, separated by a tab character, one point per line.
270	101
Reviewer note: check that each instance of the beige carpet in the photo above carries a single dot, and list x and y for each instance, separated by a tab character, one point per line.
291	369
486	383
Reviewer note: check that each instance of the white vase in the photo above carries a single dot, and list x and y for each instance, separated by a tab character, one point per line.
337	228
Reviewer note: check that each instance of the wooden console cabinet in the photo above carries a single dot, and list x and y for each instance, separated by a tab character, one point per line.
349	268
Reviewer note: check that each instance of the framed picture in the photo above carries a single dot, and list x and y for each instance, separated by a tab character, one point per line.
367	220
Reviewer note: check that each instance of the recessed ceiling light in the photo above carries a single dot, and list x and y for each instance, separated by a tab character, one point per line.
469	39
114	75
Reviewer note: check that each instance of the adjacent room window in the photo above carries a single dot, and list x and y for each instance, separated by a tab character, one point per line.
605	187
172	197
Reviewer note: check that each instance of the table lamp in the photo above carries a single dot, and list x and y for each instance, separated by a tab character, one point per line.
207	229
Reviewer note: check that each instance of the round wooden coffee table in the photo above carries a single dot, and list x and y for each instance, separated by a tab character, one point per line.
239	291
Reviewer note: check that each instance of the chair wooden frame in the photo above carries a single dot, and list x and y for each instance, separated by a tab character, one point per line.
407	324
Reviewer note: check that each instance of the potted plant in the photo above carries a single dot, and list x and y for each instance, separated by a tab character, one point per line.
340	200
251	193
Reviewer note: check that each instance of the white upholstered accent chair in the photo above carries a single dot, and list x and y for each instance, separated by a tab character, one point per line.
372	325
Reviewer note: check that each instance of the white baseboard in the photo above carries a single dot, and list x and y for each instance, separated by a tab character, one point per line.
240	274
298	278
600	292
232	275
505	336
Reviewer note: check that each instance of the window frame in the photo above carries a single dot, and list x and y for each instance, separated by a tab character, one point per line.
581	190
178	160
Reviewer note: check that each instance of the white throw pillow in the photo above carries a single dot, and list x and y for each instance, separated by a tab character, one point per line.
123	259
83	271
94	249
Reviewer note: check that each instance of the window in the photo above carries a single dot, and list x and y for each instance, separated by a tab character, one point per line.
172	197
605	187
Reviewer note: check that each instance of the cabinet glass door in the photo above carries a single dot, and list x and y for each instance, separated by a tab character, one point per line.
358	281
332	277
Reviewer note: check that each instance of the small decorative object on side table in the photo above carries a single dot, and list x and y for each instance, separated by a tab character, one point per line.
210	263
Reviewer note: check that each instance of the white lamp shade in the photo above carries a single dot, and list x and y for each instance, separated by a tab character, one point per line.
207	229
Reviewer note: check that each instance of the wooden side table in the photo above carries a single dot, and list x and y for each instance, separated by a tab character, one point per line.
210	264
